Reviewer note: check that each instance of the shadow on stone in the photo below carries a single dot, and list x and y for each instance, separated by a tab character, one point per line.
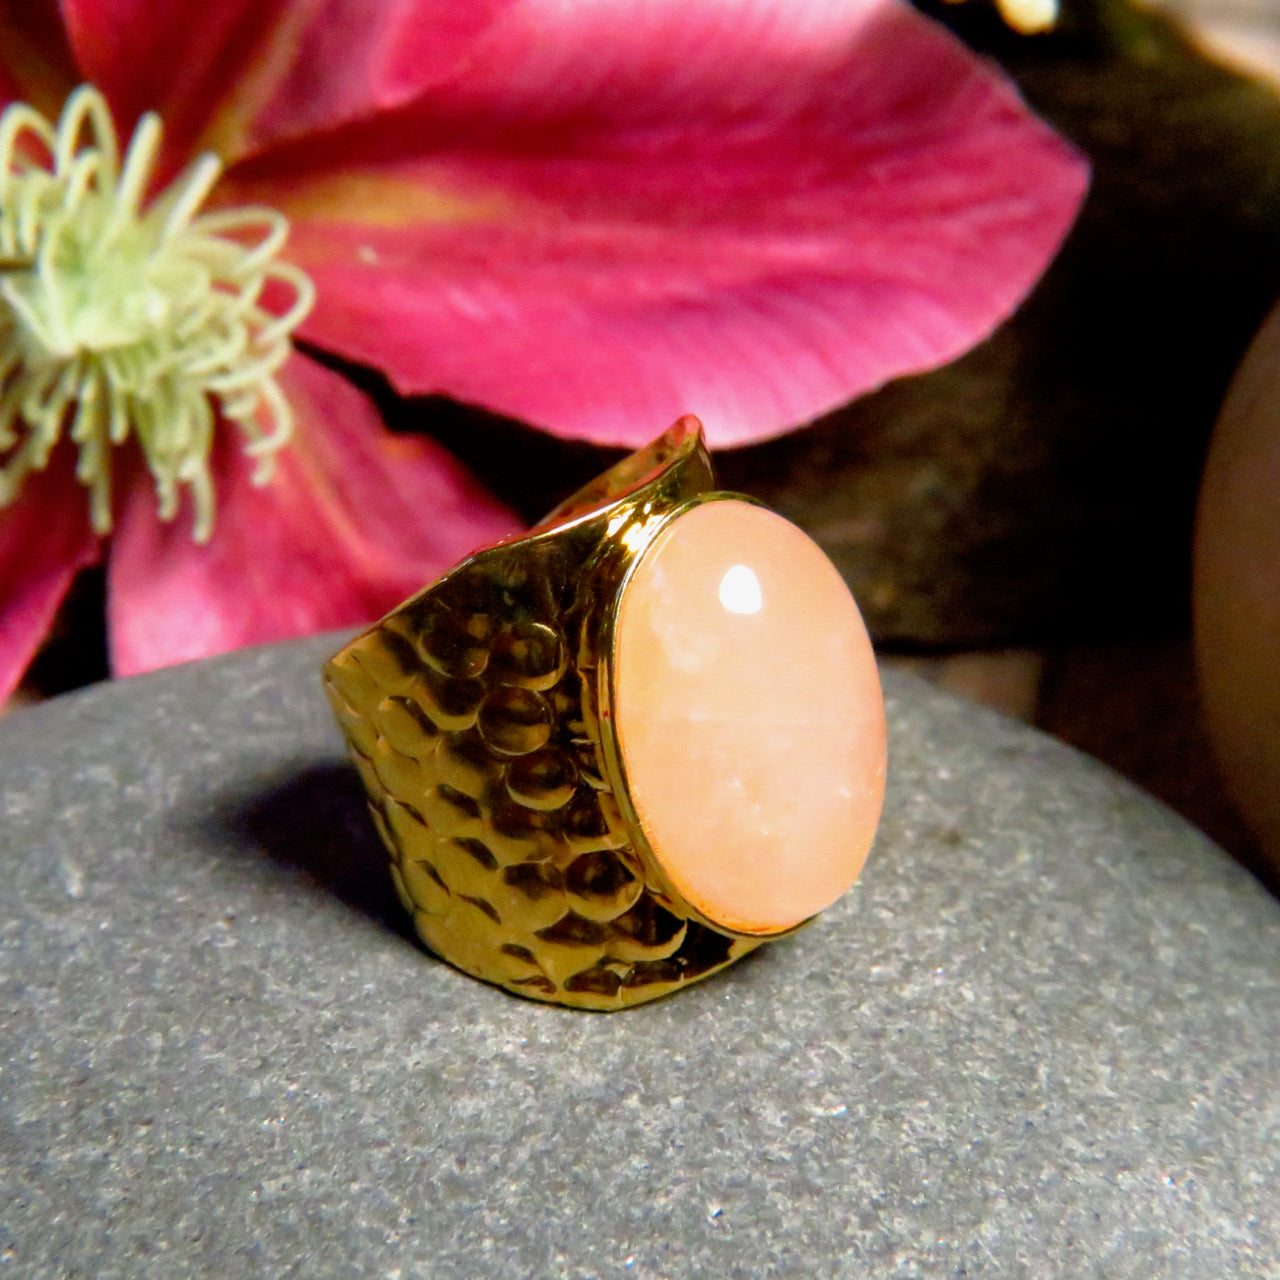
313	818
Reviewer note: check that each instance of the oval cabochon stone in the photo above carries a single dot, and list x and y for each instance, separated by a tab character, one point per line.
749	716
1040	1036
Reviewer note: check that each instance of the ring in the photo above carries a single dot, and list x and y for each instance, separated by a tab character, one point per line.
614	754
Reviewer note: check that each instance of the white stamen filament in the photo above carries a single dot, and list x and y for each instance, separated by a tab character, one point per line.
123	319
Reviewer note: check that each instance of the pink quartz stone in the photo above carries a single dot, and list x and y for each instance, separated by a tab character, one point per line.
749	717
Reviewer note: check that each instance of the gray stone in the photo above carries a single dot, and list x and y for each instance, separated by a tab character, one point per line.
1040	1038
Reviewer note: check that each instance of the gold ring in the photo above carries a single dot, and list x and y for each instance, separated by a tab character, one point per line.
614	754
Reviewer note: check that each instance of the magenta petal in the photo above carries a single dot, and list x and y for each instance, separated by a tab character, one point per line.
45	540
622	221
159	55
234	74
357	57
355	520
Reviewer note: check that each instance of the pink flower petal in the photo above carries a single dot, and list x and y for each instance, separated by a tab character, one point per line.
233	74
45	540
355	58
355	520
724	208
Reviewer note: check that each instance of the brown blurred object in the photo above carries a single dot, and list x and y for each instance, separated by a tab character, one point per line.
1237	588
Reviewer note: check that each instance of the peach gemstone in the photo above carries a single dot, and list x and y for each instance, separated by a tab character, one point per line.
749	717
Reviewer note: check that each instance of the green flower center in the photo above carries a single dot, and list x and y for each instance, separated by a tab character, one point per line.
123	318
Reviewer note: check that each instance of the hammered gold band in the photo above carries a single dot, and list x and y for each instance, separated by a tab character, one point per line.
479	717
473	716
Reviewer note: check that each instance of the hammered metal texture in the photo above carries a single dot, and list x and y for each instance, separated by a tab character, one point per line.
472	716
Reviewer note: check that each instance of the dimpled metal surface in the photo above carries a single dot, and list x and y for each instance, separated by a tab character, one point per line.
473	715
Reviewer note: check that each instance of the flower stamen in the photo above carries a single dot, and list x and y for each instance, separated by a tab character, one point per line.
123	318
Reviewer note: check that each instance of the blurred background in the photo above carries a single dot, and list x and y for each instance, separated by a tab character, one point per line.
1017	526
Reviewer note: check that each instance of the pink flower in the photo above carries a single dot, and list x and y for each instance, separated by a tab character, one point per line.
593	216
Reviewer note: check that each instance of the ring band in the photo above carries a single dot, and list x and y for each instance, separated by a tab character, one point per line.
602	766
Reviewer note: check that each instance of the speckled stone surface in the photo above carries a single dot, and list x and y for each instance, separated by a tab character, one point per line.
1040	1038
